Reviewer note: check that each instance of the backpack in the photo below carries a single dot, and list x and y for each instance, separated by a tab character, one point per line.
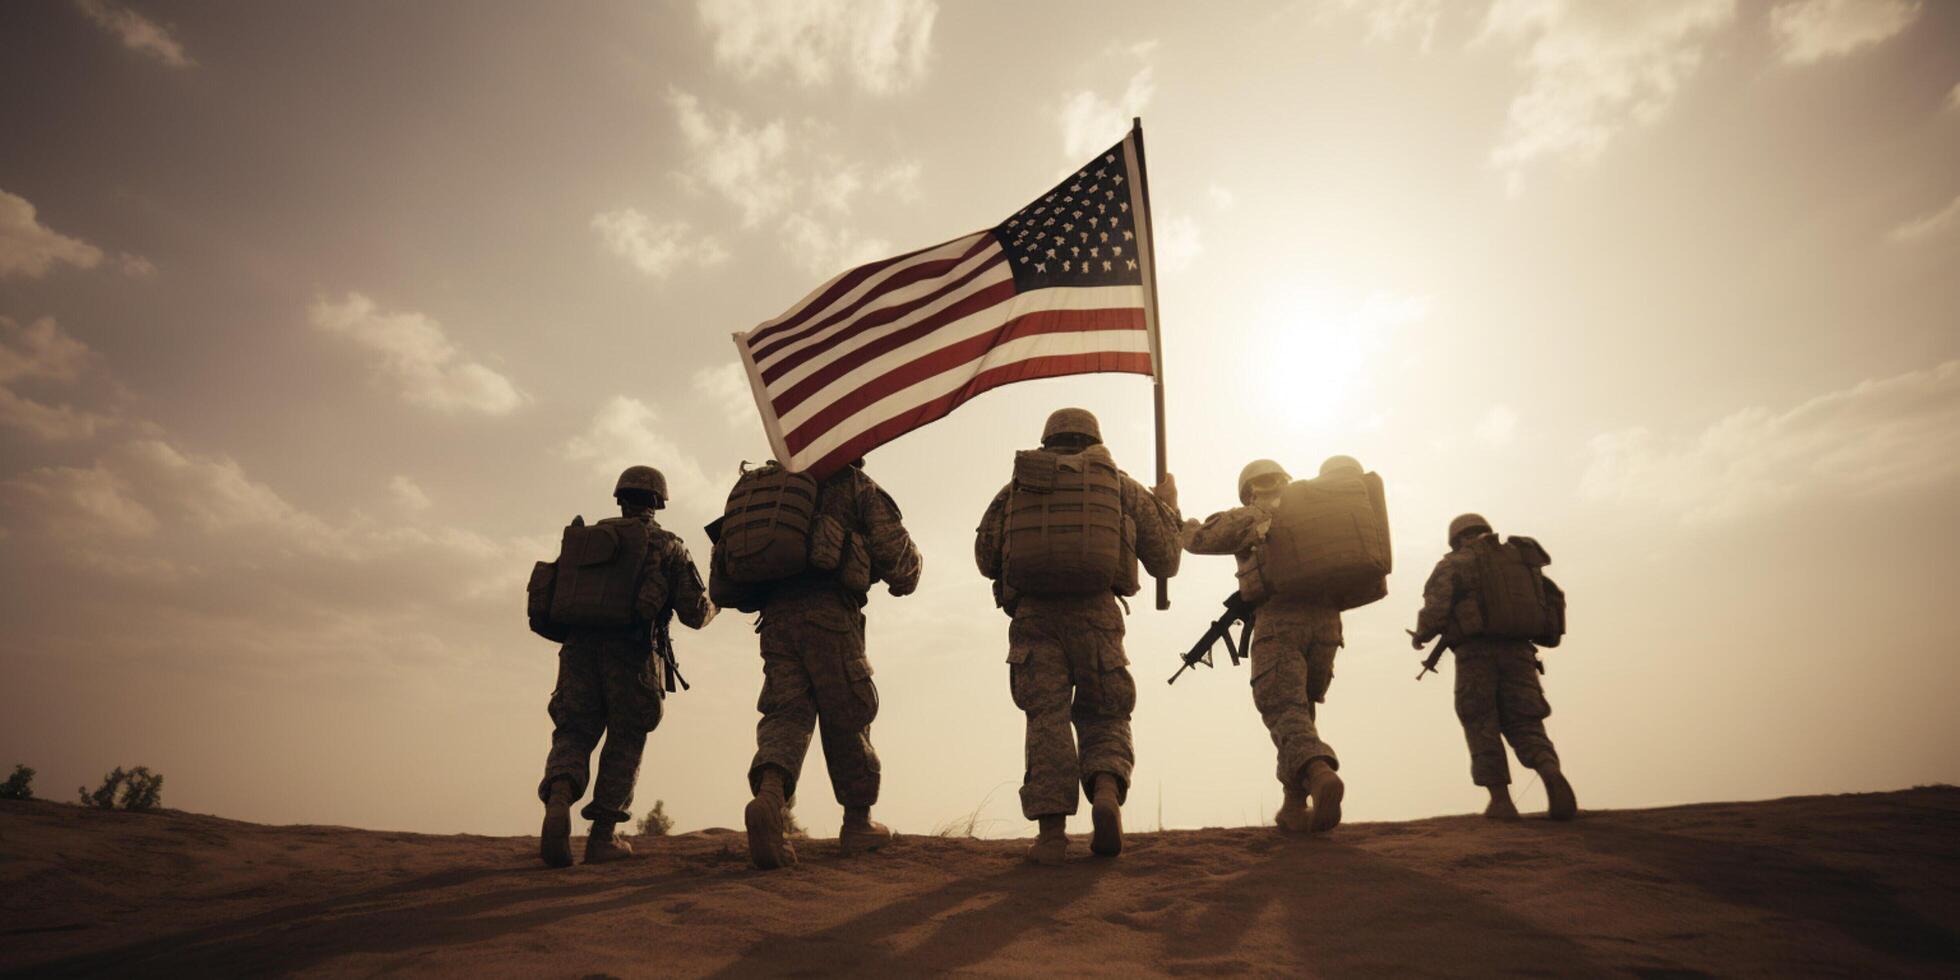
1066	530
765	527
596	579
1329	541
1510	596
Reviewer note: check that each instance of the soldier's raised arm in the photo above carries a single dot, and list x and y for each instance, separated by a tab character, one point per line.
895	560
987	537
673	581
1228	531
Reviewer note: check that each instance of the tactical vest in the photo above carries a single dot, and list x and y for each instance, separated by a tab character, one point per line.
597	578
765	528
1509	596
1066	530
1329	541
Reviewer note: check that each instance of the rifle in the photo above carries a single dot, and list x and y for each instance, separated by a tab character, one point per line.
1435	654
663	650
1237	610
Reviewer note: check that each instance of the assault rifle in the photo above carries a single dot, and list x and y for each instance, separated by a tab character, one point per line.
1237	611
1435	655
663	651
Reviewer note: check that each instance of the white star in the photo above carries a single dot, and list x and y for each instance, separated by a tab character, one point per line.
1041	267
1132	263
1105	265
1126	235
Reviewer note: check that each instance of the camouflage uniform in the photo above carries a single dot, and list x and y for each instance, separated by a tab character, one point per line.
609	684
814	671
1067	664
1497	688
1293	641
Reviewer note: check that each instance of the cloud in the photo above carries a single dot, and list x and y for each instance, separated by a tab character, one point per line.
1499	426
137	32
418	356
1390	20
29	249
743	163
1953	97
1927	226
1091	123
408	495
1222	198
1594	69
1178	243
808	197
1808	31
654	249
79	505
1878	437
136	266
625	432
727	389
882	45
42	352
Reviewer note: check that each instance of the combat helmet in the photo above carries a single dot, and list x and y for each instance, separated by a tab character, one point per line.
1338	464
637	481
1253	471
1464	524
1071	421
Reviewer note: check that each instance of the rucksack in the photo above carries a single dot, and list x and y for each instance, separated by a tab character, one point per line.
1066	530
1510	597
1329	541
596	579
765	527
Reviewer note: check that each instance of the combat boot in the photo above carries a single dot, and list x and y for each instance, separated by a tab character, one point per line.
602	845
1051	845
1292	816
1324	786
1107	814
769	847
1561	803
1501	807
860	832
555	840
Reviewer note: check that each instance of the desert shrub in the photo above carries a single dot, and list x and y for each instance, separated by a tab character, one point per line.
791	827
136	789
657	823
19	786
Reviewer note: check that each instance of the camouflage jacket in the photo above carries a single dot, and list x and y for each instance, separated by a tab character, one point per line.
671	581
1156	522
1449	582
870	514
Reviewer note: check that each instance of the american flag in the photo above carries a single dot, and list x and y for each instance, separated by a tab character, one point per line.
1061	287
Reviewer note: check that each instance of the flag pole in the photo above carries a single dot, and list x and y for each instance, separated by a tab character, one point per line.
1150	324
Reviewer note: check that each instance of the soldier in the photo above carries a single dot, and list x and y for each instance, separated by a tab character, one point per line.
1294	640
814	671
1497	688
1065	645
608	681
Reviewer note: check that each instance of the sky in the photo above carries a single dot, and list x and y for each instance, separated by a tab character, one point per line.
318	322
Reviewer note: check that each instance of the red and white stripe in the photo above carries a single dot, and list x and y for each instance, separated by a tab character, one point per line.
892	345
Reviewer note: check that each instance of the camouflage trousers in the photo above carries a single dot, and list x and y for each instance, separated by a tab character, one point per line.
1067	669
604	689
1498	698
1293	647
815	675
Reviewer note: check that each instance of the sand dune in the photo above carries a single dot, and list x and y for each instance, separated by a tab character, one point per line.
1843	884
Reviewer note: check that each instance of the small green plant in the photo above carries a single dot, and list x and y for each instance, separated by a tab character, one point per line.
19	786
137	789
657	823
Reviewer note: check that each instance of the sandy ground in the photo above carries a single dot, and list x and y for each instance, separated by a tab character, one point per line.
1842	885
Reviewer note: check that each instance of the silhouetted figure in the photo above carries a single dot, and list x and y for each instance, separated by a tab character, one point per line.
1306	550
805	554
1061	541
1491	603
609	596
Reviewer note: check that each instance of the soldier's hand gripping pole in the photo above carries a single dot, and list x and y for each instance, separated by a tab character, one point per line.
1237	612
